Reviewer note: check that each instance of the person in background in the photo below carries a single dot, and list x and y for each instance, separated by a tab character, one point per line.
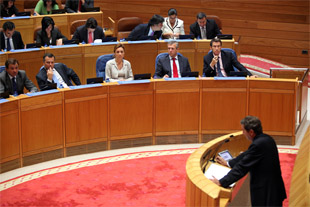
49	35
45	7
204	28
10	39
55	73
118	69
89	32
14	80
172	26
152	30
74	6
8	9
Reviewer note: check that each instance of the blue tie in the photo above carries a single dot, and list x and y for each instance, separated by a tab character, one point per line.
15	93
8	44
55	79
219	72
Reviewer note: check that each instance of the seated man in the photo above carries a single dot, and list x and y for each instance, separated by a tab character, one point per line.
89	32
152	30
219	62
55	73
73	6
204	28
173	64
10	39
14	80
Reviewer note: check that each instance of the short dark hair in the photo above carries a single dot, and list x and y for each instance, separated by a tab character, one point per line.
50	55
6	3
118	46
8	26
10	61
252	122
156	19
172	11
91	23
53	2
201	15
215	40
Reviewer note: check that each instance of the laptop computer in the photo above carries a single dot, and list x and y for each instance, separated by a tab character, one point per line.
238	74
33	45
142	76
190	36
58	11
190	74
19	14
93	9
70	42
5	94
225	36
94	80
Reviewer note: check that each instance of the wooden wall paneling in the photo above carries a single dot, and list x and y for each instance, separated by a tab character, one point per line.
3	58
9	131
41	123
177	108
131	111
223	105
86	115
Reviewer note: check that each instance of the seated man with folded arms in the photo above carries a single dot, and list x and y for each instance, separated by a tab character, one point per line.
152	30
220	63
10	38
14	80
204	28
73	6
89	32
173	64
55	73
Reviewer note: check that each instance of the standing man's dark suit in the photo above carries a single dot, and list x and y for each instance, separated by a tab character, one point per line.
81	34
228	61
163	66
65	72
141	32
17	40
21	81
211	28
262	161
72	6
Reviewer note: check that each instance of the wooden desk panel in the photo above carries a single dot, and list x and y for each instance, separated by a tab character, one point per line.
9	139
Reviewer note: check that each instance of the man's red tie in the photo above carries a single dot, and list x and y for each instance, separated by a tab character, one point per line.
90	37
175	69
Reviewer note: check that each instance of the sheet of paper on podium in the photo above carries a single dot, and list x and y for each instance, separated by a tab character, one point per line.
218	171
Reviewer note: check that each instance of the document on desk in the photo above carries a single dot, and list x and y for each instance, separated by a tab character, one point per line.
218	171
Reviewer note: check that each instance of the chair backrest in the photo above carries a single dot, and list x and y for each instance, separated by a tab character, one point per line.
75	24
101	63
125	25
2	68
217	20
30	5
38	29
1	29
159	56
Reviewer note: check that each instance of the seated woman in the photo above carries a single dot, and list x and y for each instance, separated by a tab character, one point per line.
44	7
8	8
118	69
49	35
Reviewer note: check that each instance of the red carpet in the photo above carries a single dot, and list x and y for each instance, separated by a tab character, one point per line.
137	179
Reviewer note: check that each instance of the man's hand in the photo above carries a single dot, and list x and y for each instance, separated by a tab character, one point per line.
214	61
216	181
49	74
59	42
221	161
166	76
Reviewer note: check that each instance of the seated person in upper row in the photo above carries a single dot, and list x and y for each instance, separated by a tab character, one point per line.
45	7
8	9
118	69
55	73
73	6
173	64
49	35
89	32
14	80
220	63
204	28
152	30
10	38
172	26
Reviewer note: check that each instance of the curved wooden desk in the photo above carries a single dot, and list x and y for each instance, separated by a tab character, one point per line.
110	116
200	191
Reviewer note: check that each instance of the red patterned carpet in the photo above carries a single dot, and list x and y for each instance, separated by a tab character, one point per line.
155	178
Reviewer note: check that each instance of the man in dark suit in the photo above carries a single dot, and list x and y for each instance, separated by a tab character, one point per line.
204	28
173	64
89	32
10	39
152	30
14	80
262	161
73	6
55	73
220	63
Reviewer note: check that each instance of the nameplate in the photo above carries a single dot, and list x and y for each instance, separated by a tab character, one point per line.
3	100
229	78
86	86
180	79
25	50
42	92
19	17
133	82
